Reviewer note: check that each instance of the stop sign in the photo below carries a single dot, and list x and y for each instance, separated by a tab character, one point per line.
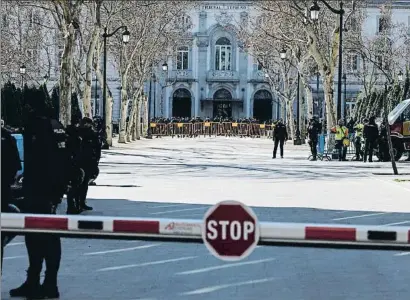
230	230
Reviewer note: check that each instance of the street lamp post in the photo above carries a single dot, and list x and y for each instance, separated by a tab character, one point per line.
165	70
154	79
149	136
298	140
400	76
319	103
344	98
95	98
22	73
314	15
125	39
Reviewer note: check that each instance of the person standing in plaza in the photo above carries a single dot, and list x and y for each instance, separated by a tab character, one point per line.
46	162
88	159
10	165
314	129
280	135
341	135
371	134
358	138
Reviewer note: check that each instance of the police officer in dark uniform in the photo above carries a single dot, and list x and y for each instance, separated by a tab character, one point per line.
89	158
384	154
45	182
314	129
74	146
370	134
10	165
99	128
280	135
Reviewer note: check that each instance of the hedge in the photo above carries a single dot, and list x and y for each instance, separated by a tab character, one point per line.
14	102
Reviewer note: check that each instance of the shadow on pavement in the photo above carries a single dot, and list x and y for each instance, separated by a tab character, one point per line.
117	185
137	209
265	173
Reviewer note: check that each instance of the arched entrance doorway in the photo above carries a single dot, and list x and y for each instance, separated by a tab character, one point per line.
222	103
262	105
181	104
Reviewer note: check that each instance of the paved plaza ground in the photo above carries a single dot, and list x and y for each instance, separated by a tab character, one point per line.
181	178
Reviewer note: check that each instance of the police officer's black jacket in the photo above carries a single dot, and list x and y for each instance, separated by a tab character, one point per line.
280	132
74	147
371	132
46	161
10	165
90	149
314	130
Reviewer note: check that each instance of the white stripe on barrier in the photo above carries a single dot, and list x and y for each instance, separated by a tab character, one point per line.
192	229
12	220
281	231
361	234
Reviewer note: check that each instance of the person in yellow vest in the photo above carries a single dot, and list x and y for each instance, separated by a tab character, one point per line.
358	138
342	139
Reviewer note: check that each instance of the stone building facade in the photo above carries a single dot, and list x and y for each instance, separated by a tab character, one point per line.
211	75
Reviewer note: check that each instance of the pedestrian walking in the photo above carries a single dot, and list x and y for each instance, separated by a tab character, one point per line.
280	135
371	134
10	165
341	139
45	180
314	129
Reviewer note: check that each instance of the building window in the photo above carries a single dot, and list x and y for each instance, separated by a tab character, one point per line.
223	54
182	58
261	20
5	21
382	24
36	18
32	55
60	52
262	63
350	106
185	22
379	60
353	62
408	25
354	24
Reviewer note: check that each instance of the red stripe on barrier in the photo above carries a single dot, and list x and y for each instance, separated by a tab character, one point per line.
409	237
136	226
46	223
330	233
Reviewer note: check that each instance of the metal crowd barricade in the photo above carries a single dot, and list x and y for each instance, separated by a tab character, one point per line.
188	230
197	129
326	146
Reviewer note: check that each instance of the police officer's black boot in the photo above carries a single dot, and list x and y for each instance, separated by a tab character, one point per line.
30	288
72	209
84	206
49	287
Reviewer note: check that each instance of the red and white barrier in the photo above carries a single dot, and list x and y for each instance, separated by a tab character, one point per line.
185	230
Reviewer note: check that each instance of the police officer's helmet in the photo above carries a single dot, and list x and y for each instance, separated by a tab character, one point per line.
341	122
97	119
86	122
